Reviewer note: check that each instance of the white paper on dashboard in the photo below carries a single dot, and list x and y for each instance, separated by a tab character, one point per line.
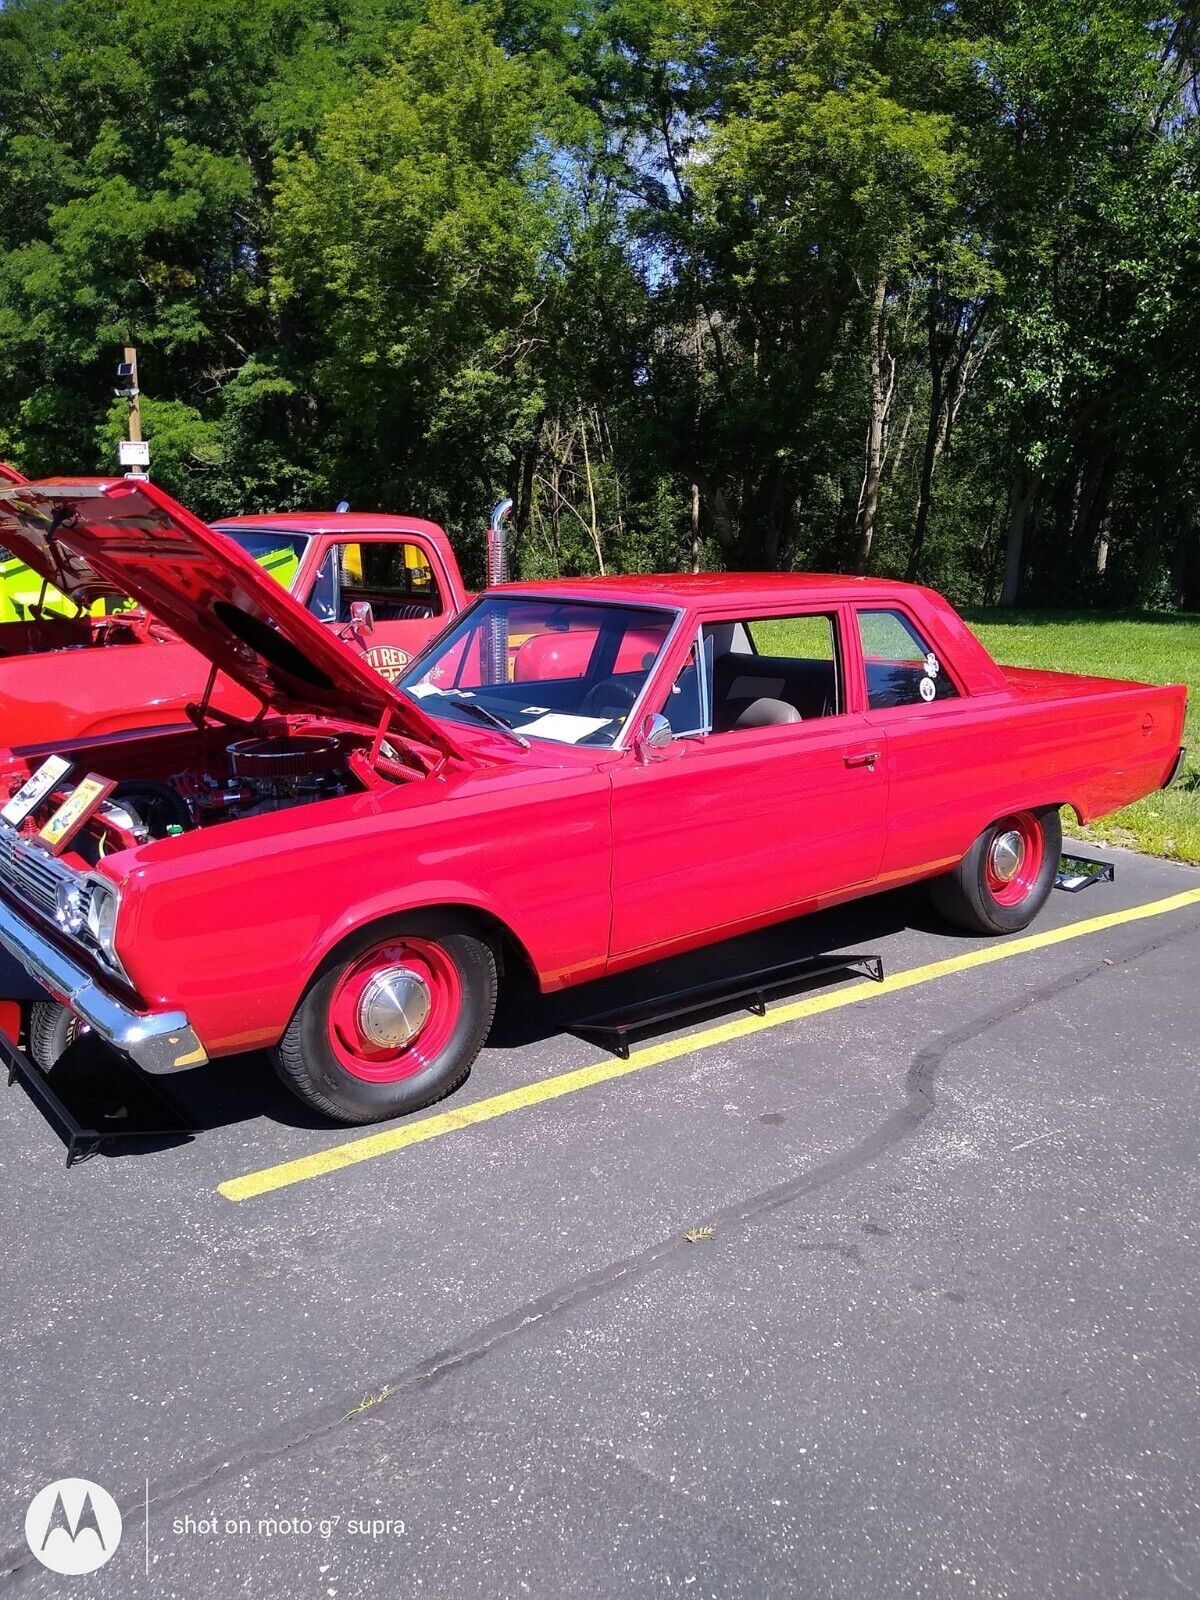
563	727
420	690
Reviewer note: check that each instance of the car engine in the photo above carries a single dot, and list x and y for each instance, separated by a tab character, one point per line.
263	774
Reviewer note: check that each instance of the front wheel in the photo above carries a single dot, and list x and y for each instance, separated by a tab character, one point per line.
392	1023
1004	879
52	1030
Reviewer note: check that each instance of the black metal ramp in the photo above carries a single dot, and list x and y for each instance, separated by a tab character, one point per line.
613	1029
93	1096
1081	872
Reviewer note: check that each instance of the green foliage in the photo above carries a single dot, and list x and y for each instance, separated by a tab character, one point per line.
414	237
696	281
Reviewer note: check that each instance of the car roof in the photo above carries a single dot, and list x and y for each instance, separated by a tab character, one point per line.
340	522
702	590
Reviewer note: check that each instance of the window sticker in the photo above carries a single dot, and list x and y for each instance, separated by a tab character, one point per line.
928	689
932	665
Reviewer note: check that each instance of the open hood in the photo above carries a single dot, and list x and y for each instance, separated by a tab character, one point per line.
10	474
94	537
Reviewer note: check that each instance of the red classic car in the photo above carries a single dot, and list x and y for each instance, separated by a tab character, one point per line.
66	678
575	778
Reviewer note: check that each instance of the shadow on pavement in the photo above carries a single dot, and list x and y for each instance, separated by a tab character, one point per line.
243	1088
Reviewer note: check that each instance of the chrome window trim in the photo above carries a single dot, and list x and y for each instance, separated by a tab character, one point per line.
707	673
621	742
704	687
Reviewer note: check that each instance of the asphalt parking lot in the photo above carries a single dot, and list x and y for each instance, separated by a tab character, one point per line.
942	1338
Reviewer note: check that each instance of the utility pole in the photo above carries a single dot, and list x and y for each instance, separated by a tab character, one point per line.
134	453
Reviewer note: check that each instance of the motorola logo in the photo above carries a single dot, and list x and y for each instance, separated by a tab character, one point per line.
73	1526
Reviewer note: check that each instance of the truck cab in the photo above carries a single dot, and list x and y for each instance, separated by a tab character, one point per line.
75	666
402	567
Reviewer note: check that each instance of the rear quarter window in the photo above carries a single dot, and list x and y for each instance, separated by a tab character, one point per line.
901	668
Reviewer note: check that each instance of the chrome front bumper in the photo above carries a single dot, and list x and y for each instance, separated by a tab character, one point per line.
156	1041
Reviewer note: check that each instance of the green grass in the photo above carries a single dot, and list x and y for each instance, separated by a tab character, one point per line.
1151	647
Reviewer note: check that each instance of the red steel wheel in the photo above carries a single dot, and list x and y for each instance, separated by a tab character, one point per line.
1013	858
1003	881
394	1009
392	1021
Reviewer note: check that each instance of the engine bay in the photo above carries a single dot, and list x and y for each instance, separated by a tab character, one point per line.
175	783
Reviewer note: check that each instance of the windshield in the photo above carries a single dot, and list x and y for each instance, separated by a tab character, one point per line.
277	553
565	671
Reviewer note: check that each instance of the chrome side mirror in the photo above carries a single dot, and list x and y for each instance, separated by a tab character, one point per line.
362	617
654	734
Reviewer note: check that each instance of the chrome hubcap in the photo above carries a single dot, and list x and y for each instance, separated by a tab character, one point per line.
394	1007
1007	853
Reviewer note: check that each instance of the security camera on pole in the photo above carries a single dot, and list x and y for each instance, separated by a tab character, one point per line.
134	452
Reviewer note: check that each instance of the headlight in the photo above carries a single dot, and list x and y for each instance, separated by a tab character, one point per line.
102	918
69	908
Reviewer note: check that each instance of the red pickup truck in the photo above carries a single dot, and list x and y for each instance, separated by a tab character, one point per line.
70	678
576	778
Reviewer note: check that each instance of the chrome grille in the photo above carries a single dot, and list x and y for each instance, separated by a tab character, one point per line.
32	876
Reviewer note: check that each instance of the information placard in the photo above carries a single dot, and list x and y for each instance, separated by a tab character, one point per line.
75	810
35	789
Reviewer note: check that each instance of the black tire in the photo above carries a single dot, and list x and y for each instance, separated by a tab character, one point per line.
966	896
308	1064
52	1028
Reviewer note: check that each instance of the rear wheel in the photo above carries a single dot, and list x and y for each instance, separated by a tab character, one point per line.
1002	882
392	1023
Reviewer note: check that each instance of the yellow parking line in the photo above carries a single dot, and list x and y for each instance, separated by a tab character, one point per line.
367	1146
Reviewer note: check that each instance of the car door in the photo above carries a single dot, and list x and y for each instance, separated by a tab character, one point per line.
942	752
400	582
741	819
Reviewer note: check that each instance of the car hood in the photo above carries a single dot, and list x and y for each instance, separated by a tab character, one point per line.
10	474
103	537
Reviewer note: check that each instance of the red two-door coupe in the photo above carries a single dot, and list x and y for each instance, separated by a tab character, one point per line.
575	778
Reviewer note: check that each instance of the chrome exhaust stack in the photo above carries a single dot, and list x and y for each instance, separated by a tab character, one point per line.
497	572
497	543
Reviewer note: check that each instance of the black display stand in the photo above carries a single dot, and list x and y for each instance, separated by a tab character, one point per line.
613	1029
93	1096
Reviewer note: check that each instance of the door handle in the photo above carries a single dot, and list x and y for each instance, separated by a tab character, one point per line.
861	758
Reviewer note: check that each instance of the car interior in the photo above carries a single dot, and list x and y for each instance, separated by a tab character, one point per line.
393	577
755	689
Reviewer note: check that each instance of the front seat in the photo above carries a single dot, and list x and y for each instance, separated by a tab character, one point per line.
763	712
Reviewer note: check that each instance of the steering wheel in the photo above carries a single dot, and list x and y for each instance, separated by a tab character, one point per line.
611	698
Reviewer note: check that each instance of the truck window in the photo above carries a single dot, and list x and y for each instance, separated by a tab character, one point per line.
394	575
901	668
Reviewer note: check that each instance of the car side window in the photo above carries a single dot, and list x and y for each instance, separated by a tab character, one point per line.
758	673
394	575
901	668
687	704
